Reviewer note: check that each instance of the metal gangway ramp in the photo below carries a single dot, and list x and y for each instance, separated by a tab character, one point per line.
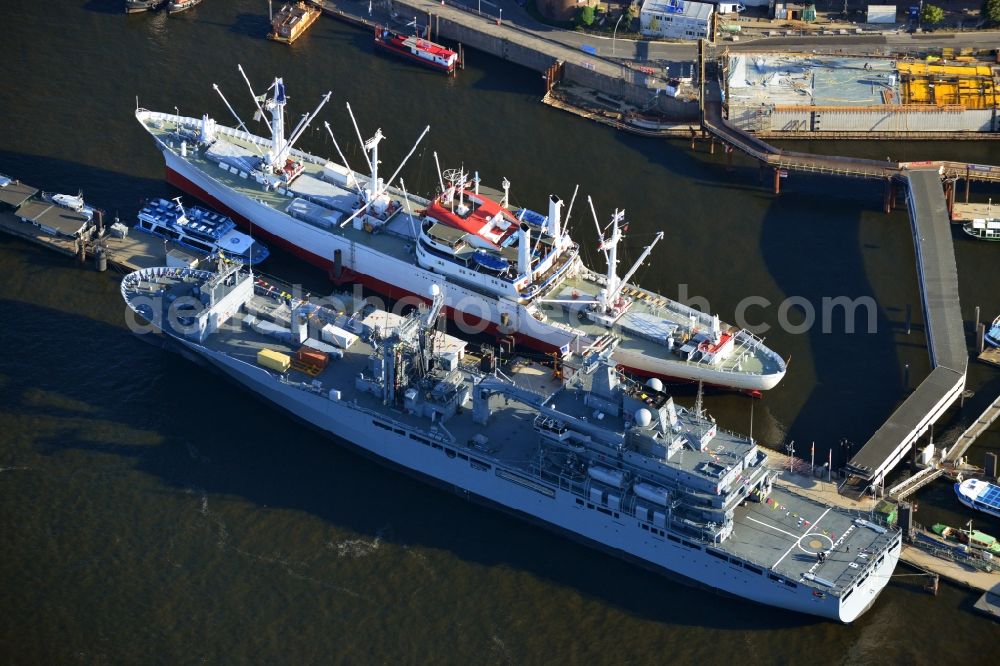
938	275
978	427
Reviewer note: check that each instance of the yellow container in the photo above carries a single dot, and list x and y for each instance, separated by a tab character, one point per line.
274	360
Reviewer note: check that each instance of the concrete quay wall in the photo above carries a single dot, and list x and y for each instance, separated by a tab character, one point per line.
534	52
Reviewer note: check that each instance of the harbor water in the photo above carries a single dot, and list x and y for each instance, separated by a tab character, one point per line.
149	510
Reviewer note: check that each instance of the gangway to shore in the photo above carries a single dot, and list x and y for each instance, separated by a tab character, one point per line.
912	484
978	427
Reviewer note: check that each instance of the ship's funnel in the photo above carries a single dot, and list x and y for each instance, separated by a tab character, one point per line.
555	212
524	250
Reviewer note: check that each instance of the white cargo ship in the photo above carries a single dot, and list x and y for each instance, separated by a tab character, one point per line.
589	453
517	275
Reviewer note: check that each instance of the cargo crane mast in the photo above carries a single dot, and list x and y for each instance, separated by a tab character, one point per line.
239	120
280	147
374	193
609	246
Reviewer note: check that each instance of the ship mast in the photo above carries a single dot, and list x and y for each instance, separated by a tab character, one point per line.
374	195
609	246
280	147
370	146
276	106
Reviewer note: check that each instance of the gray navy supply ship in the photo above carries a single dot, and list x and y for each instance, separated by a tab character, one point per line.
589	453
513	273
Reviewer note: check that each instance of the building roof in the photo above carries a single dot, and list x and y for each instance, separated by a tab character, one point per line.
14	193
54	219
810	80
696	10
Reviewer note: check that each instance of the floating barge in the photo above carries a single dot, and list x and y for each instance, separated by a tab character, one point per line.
291	22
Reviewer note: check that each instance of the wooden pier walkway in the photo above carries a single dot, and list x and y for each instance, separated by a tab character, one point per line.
130	253
938	277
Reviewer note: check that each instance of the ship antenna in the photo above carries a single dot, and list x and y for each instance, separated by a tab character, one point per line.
569	211
698	406
242	125
341	153
440	177
408	156
357	131
256	100
303	124
409	210
603	247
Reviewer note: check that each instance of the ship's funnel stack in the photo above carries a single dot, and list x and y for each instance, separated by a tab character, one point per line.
555	220
524	250
716	330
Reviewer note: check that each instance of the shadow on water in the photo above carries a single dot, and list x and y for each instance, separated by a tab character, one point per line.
111	190
251	25
230	447
857	373
105	6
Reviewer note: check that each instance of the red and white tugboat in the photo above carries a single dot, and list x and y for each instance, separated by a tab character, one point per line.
416	48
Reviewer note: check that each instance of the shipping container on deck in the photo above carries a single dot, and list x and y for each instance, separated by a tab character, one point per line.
274	360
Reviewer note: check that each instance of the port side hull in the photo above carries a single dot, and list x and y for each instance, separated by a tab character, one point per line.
558	510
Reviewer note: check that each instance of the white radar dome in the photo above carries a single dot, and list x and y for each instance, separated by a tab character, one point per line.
654	384
434	289
643	417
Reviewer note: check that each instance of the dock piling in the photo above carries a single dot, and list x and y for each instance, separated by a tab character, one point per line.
100	260
777	181
932	584
980	337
